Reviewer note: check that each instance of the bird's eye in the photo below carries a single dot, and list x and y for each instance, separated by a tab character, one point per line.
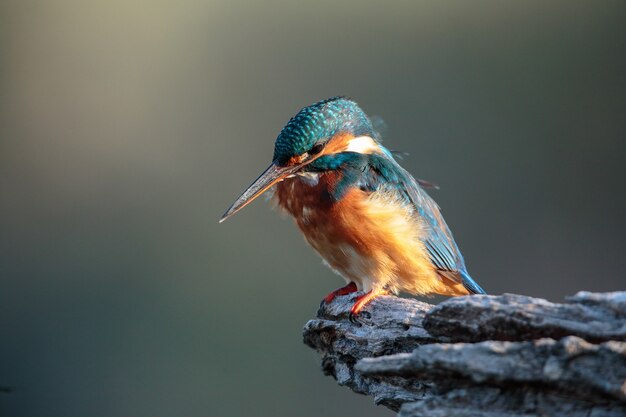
316	149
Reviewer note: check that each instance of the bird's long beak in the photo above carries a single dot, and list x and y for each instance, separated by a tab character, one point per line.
272	175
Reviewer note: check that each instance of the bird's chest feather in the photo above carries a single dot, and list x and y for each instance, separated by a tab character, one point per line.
320	218
361	235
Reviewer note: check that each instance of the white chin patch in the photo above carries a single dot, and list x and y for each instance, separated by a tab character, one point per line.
363	144
309	178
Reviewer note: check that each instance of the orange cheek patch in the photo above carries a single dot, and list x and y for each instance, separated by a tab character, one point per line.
294	160
337	143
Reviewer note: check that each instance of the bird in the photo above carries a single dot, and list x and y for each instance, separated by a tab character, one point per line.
368	218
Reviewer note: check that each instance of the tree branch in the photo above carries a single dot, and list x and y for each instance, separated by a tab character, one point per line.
507	355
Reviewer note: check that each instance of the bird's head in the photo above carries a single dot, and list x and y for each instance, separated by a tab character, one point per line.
330	126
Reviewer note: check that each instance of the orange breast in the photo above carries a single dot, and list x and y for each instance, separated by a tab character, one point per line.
372	239
327	225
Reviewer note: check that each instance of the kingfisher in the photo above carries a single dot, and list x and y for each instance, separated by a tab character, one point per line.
369	219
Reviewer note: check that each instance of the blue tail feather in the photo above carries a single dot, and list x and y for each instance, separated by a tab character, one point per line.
470	284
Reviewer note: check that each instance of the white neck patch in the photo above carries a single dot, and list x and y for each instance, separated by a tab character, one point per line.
309	178
363	144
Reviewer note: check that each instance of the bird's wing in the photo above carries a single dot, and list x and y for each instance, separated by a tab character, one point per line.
380	171
442	250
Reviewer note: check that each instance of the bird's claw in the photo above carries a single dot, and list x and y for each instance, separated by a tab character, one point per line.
359	318
354	319
320	310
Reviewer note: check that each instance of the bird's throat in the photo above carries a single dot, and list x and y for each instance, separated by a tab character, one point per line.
310	179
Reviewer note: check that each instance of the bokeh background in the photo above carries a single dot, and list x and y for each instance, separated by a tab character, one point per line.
127	128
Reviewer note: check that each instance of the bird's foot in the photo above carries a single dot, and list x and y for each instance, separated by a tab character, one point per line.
361	302
348	289
354	319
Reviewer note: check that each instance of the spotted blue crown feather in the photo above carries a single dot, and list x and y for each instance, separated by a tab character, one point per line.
320	121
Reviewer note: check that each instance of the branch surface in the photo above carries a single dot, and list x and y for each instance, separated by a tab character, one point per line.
482	355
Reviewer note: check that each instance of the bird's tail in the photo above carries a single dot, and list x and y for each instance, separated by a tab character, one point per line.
470	284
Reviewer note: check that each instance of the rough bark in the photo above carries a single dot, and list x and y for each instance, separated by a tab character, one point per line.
507	355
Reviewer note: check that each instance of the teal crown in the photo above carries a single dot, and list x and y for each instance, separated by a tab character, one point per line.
318	123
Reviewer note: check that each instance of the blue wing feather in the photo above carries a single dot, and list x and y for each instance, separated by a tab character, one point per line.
442	249
371	172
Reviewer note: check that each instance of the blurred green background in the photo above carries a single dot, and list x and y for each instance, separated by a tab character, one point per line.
127	128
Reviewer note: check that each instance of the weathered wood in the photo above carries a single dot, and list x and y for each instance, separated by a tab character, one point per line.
516	317
506	355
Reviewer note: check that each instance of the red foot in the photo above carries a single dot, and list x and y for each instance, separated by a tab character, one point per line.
350	288
362	301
